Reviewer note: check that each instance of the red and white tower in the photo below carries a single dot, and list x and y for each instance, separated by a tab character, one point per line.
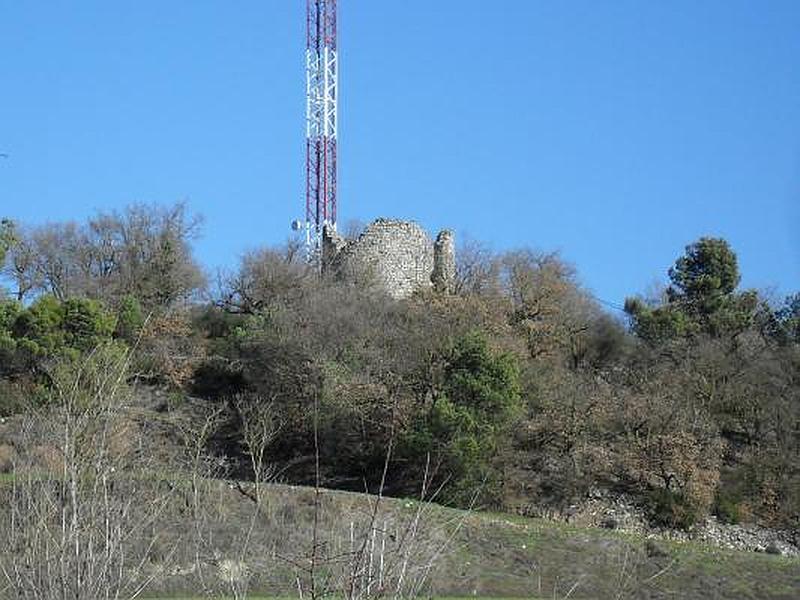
321	121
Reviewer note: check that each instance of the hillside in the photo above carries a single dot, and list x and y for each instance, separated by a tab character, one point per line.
489	555
129	385
196	535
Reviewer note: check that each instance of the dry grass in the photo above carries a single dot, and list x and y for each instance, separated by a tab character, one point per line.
487	555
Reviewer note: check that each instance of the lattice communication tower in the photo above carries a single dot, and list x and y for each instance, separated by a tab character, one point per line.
321	121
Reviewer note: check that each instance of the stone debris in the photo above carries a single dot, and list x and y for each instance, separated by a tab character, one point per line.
617	511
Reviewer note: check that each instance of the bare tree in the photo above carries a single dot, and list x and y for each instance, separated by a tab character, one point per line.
195	430
21	266
388	555
144	251
266	278
548	306
80	523
477	269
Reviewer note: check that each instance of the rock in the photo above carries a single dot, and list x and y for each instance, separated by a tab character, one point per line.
610	510
654	549
773	548
8	456
609	523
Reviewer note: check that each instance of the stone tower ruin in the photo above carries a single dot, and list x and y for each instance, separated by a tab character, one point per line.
398	256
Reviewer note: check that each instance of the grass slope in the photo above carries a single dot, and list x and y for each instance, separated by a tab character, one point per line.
502	556
478	554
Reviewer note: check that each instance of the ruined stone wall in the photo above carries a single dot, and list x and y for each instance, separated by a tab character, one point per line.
444	262
396	255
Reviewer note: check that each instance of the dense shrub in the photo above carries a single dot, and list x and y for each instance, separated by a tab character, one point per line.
727	507
130	319
672	509
50	328
466	423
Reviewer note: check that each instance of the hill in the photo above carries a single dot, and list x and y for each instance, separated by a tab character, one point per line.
479	554
131	387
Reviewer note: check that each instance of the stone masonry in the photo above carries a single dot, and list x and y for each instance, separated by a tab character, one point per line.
444	262
398	256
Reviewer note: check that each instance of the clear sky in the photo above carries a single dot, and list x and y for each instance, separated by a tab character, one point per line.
614	132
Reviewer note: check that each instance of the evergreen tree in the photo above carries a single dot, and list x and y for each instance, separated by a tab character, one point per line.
702	297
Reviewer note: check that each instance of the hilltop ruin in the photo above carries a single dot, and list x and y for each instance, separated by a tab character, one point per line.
399	256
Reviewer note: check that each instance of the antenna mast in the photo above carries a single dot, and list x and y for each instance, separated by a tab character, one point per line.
321	122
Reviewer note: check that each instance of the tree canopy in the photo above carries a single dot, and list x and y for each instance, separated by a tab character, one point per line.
6	237
142	251
702	297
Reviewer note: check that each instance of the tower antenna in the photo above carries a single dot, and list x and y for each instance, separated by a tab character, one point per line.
321	122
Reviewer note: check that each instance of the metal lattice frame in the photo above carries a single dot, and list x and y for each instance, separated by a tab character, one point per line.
321	121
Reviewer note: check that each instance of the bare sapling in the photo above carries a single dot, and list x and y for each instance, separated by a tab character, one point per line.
391	549
195	432
260	426
85	493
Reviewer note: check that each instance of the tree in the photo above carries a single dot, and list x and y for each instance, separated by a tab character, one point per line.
129	320
667	449
658	324
9	311
266	278
6	237
143	251
547	305
477	269
157	264
22	266
86	521
49	329
701	299
464	427
788	317
705	275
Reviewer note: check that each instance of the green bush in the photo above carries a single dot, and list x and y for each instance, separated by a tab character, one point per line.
672	509
467	422
130	319
727	508
86	324
49	329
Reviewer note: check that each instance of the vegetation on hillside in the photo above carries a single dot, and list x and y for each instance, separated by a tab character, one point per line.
517	390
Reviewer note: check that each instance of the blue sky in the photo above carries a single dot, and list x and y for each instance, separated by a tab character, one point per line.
614	132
